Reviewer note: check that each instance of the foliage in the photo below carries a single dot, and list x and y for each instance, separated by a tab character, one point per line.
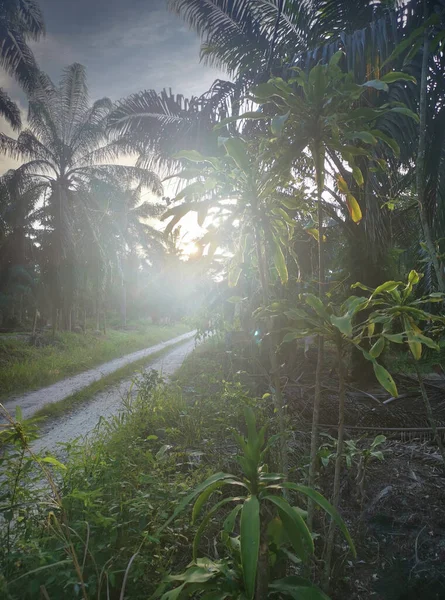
261	532
26	366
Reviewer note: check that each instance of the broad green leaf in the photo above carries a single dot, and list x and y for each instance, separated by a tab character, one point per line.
195	156
314	233
250	543
354	209
177	212
413	277
194	575
193	190
278	122
364	136
279	261
343	324
264	90
204	496
315	303
393	76
296	529
377	348
336	58
385	379
326	506
234	274
247	115
376	84
291	203
230	520
358	175
200	488
297	588
371	329
423	339
388	286
173	594
389	141
205	521
236	148
405	111
342	185
317	80
53	461
396	338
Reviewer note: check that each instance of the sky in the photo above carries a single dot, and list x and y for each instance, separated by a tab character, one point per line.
126	46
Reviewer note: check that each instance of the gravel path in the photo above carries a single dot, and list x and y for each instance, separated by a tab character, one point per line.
85	417
33	401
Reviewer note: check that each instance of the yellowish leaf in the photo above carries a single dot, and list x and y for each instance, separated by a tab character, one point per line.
354	208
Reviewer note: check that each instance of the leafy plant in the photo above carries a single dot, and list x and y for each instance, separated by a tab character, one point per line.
267	524
398	317
320	111
356	456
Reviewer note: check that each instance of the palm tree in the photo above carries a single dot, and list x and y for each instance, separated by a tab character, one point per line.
64	149
17	249
20	21
251	36
123	235
162	124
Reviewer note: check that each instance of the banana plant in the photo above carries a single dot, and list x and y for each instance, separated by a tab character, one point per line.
245	194
398	317
259	524
322	112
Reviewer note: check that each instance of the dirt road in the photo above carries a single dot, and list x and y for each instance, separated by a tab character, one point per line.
85	417
31	402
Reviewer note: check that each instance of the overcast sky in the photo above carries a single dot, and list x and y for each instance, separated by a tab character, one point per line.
126	45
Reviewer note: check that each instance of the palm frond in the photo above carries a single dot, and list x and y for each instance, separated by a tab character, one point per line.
9	110
74	99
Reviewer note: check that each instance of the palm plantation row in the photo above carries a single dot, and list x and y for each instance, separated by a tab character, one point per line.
317	169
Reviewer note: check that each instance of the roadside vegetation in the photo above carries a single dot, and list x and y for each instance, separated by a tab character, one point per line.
25	366
299	452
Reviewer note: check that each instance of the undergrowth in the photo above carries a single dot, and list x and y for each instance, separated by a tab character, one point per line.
24	366
117	489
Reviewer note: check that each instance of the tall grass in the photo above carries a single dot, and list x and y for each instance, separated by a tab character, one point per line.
25	367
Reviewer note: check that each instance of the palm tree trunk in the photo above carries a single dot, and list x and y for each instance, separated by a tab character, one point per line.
319	175
338	464
34	322
420	168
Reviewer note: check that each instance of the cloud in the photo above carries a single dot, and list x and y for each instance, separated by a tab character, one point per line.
151	49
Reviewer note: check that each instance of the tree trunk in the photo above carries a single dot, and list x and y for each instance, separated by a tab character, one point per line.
338	465
429	413
97	311
54	320
124	304
34	322
318	155
420	167
263	268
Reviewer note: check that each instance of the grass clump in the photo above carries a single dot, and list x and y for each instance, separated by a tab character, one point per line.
24	367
